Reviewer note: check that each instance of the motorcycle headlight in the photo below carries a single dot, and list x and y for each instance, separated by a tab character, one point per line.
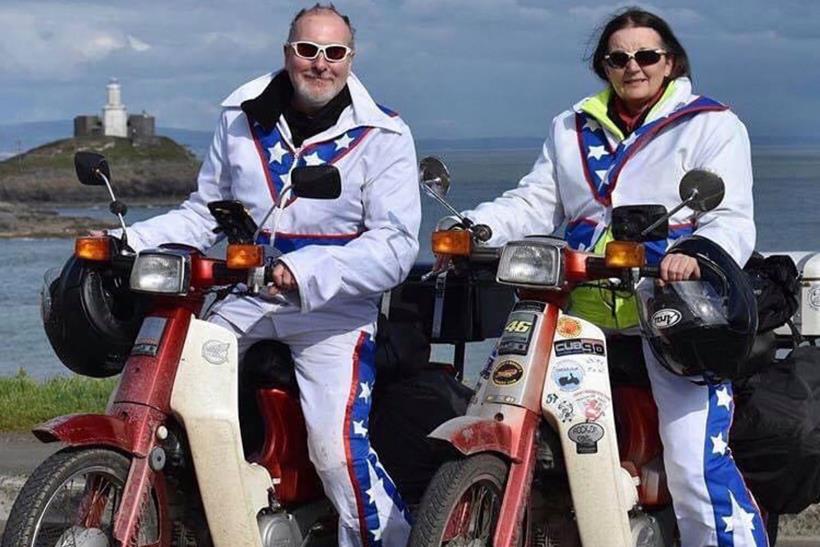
163	272
532	262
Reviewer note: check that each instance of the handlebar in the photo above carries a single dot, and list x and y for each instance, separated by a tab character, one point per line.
651	271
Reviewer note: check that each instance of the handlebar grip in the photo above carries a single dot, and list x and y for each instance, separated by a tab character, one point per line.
651	271
482	232
268	275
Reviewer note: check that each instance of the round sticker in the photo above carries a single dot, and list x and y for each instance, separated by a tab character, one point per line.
569	327
814	298
567	375
215	351
665	318
507	373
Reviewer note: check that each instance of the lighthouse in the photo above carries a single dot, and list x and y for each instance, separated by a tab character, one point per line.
115	117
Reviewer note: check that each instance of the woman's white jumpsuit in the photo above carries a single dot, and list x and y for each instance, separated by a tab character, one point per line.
344	253
586	168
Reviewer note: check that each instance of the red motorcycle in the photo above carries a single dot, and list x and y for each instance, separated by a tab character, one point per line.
166	464
548	452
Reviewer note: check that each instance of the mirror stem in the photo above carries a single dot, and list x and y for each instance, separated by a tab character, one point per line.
668	215
276	205
114	199
467	222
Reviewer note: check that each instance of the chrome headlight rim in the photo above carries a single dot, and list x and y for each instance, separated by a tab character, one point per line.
181	260
552	245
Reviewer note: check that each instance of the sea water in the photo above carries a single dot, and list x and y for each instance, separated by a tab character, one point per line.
787	213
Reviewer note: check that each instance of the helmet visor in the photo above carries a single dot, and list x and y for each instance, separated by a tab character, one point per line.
667	307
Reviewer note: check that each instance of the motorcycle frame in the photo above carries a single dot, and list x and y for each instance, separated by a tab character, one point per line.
504	419
148	396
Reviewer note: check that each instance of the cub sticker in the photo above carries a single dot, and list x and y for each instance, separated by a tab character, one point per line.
665	318
215	351
578	346
568	375
586	437
569	327
507	373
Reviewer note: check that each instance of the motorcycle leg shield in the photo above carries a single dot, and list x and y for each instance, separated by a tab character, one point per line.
205	400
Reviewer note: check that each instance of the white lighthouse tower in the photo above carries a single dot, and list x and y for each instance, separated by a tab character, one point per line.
115	117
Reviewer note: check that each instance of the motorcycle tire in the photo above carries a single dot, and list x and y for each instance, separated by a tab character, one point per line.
445	515
37	518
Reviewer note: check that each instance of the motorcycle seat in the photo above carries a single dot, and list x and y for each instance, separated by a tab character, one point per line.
268	365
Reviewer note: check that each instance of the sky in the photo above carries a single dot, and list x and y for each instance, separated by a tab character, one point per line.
451	68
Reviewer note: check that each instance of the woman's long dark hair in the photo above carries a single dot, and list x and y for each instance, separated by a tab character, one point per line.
636	17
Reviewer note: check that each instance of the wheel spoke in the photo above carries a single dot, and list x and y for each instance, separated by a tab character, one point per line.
473	518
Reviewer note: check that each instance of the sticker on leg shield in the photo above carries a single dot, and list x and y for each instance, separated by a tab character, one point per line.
507	373
517	333
569	327
578	346
567	375
586	437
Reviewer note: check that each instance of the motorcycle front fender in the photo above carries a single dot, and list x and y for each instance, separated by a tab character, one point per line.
473	434
86	430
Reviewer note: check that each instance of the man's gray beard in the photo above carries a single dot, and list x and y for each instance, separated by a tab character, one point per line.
310	100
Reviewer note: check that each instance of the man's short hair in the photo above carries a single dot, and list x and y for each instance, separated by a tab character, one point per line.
318	7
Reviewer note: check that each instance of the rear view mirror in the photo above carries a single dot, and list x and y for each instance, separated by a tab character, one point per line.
701	190
629	222
89	166
316	182
434	176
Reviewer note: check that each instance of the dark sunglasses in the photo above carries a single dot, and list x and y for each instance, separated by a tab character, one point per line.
333	53
644	57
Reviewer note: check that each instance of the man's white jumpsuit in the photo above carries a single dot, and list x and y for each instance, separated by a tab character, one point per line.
587	168
343	253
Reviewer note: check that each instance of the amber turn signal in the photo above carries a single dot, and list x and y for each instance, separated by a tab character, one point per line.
625	254
452	242
242	257
97	249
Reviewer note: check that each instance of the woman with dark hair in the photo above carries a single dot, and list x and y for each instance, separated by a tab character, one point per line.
631	144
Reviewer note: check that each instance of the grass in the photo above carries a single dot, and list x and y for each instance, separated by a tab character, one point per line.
59	154
25	402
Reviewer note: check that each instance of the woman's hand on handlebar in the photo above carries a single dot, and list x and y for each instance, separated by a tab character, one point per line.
679	267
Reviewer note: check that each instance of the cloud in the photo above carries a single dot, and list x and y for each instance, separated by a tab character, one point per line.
137	44
451	67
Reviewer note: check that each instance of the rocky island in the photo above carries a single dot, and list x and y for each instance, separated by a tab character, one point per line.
34	182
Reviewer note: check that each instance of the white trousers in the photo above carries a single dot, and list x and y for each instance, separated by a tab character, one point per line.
335	370
711	501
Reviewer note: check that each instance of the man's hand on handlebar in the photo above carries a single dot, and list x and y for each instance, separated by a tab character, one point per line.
679	267
282	280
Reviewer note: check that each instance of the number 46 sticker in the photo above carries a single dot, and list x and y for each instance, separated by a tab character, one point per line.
518	326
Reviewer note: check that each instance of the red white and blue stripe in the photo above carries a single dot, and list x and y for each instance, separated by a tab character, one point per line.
602	165
737	517
369	480
278	158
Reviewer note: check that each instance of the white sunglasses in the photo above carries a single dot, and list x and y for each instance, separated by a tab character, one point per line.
334	53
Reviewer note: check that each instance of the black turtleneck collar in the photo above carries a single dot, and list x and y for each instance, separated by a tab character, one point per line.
275	100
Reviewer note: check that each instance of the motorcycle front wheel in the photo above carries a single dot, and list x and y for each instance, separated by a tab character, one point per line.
461	506
72	499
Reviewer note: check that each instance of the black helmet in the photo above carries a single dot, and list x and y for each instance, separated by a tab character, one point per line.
706	326
90	317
